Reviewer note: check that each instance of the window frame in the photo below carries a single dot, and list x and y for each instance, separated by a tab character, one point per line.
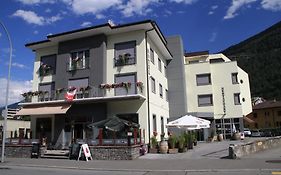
160	90
152	57
84	60
208	75
53	67
237	96
205	104
132	57
159	65
133	83
234	78
153	85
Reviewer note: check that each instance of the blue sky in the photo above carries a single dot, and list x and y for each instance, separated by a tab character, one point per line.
203	24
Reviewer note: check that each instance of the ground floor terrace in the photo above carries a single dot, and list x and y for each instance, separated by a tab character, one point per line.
59	124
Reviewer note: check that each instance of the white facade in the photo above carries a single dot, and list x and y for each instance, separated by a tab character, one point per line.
216	85
145	103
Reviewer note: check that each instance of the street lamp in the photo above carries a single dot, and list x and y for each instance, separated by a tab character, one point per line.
7	93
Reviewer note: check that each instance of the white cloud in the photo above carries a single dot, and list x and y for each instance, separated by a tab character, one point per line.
32	18
86	24
273	5
235	6
18	65
33	2
81	7
184	1
35	32
16	89
211	12
213	37
139	7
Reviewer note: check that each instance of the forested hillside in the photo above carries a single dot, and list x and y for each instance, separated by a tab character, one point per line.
260	56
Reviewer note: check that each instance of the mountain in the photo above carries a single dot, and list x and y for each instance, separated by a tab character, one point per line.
260	57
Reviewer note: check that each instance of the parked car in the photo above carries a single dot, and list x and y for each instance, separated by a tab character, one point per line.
247	132
257	133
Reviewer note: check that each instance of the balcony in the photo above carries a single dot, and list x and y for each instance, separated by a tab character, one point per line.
123	60
120	90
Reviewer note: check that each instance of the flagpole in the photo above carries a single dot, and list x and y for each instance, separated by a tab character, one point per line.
7	94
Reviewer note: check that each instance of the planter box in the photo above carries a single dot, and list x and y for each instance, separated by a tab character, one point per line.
153	150
173	151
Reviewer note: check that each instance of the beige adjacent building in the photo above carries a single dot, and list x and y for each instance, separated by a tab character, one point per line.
217	89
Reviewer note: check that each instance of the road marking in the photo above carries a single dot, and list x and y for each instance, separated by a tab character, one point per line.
276	172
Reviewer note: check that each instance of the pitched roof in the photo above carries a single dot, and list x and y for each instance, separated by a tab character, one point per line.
268	104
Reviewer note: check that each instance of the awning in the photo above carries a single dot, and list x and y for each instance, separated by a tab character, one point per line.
44	110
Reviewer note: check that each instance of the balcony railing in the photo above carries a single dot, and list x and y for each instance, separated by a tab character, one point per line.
89	92
121	61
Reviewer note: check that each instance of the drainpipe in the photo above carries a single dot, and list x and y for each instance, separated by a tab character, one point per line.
147	82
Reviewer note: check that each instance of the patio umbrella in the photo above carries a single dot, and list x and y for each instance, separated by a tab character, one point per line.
189	122
113	124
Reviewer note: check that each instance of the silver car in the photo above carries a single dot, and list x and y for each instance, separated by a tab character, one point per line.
247	132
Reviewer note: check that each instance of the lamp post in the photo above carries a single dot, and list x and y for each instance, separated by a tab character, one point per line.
7	94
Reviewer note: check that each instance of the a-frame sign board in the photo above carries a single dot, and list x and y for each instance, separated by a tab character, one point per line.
86	151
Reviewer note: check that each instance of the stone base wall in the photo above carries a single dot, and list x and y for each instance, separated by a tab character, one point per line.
115	152
237	151
19	151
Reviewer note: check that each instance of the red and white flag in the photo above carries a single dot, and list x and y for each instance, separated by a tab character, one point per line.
69	96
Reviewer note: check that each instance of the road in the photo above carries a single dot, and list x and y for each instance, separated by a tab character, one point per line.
205	159
51	171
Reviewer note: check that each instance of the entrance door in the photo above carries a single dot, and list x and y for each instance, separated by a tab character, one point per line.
78	131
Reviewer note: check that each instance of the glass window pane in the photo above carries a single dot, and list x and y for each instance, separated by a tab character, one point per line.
78	83
205	100
203	79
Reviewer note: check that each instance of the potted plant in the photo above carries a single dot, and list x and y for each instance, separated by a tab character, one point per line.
153	145
181	143
172	141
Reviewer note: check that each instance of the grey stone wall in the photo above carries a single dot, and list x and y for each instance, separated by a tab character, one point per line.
19	151
237	151
115	152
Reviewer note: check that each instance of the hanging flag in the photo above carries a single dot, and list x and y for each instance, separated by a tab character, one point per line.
69	96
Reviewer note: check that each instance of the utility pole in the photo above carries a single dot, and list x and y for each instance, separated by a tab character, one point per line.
7	94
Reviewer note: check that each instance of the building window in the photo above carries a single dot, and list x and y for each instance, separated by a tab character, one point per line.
203	79
165	71
47	65
129	84
79	84
79	60
162	125
205	100
46	91
234	78
237	99
151	55
154	123
159	65
153	88
167	95
279	113
160	90
125	53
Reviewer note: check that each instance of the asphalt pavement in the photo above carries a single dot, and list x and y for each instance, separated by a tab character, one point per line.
206	158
